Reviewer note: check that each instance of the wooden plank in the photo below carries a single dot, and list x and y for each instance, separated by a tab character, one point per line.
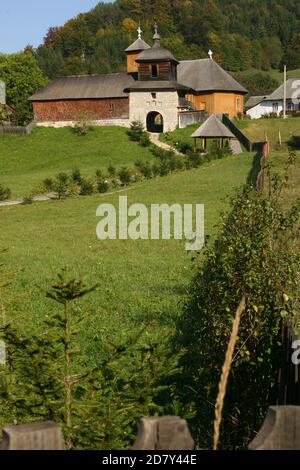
280	431
37	436
163	433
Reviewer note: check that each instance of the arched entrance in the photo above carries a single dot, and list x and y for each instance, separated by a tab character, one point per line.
155	122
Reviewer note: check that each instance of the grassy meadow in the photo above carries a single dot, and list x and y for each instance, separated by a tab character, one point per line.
25	161
140	280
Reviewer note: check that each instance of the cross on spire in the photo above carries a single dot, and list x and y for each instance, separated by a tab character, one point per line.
139	30
210	53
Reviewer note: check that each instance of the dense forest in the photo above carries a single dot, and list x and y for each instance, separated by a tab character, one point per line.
243	34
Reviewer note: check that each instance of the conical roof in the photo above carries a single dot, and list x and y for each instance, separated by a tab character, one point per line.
138	45
213	128
156	53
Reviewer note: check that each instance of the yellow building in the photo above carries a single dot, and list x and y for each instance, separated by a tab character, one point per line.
215	90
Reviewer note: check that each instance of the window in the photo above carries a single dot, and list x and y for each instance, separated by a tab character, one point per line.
275	107
290	106
153	96
111	107
154	71
238	103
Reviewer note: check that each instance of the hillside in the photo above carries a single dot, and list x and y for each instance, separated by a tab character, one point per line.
26	161
243	34
141	282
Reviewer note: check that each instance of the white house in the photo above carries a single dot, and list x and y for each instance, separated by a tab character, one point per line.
258	106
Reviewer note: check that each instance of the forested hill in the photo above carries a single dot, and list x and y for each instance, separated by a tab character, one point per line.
262	34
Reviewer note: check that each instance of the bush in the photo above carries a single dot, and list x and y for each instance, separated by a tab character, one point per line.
83	124
62	185
86	187
194	160
112	171
48	184
5	193
27	200
184	147
99	175
136	131
144	168
124	175
76	175
103	186
145	140
256	254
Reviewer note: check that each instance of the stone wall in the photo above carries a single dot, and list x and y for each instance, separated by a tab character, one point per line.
69	110
142	103
99	122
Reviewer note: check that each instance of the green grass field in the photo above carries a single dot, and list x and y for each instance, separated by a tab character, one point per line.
276	74
140	280
257	129
25	161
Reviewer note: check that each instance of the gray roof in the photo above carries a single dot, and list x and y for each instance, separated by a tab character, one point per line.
138	45
254	101
290	91
85	87
213	128
157	85
278	94
207	75
156	53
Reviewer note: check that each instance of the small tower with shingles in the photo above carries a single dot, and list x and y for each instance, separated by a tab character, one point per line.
133	51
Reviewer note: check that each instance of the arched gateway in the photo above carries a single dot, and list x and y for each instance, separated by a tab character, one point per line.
155	122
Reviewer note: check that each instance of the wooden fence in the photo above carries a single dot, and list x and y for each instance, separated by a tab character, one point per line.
264	152
21	130
280	431
237	132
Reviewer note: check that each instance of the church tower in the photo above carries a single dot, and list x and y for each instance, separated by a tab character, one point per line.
134	50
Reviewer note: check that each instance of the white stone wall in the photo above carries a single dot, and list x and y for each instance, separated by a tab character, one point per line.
102	122
142	103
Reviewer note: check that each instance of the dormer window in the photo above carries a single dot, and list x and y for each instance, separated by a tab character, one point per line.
154	71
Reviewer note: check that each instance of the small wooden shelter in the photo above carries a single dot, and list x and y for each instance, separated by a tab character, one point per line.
214	129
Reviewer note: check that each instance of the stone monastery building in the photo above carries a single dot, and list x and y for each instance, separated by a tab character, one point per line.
156	90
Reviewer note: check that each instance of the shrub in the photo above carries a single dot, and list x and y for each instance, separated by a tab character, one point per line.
184	147
145	140
83	124
112	171
62	185
86	187
48	184
144	168
124	175
99	175
194	160
256	254
103	186
27	200
97	403
5	193
136	131
76	175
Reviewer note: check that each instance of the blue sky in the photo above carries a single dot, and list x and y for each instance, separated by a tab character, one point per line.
25	22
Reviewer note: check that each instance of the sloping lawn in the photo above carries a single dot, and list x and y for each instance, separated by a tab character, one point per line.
140	280
257	129
25	161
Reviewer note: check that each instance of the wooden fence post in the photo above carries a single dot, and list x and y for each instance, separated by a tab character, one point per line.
163	433
280	431
36	436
